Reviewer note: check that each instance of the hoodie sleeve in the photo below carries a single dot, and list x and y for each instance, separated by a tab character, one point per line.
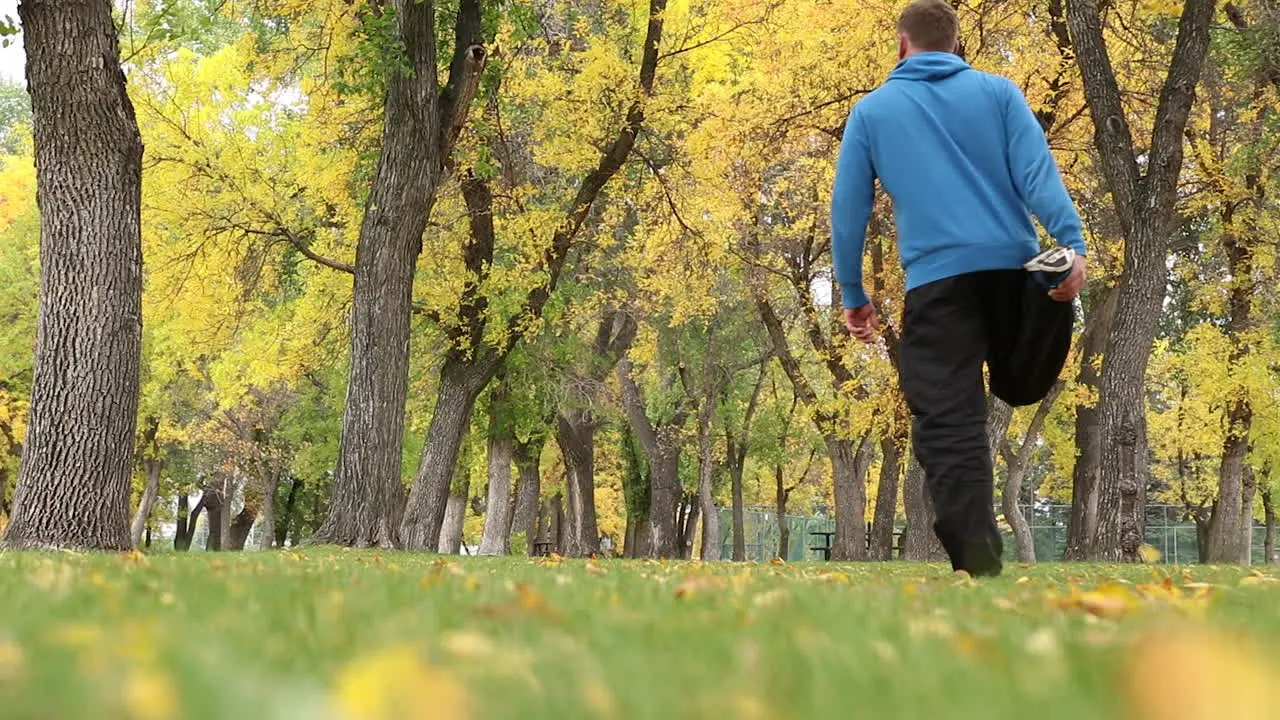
852	197
1035	172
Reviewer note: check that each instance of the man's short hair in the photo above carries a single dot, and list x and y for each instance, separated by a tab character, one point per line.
930	25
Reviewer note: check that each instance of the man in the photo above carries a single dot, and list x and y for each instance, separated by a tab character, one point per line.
966	164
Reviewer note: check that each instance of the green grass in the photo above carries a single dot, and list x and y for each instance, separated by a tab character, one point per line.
263	636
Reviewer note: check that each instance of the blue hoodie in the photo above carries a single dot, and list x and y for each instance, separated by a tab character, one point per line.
966	163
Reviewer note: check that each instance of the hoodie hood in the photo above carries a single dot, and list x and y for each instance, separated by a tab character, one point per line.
929	66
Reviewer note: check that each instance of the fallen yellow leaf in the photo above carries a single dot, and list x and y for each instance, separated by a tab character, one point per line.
396	684
1214	677
149	695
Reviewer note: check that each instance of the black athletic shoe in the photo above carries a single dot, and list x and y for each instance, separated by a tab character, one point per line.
1051	266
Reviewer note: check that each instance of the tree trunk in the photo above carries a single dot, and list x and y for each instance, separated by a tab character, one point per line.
528	458
1269	511
886	510
290	509
214	509
1230	526
1146	206
1083	524
1246	515
706	475
557	523
454	519
419	130
151	468
576	436
74	479
502	441
240	527
1017	464
270	480
849	468
461	382
689	527
182	535
919	541
228	495
782	494
736	470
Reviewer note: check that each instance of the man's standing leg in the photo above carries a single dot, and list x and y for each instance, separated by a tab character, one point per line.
944	347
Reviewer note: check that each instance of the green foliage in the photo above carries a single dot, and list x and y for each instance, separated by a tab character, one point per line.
15	118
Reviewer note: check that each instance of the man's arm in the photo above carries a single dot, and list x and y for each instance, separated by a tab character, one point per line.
851	199
1035	172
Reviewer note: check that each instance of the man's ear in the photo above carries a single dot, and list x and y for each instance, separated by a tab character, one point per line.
903	45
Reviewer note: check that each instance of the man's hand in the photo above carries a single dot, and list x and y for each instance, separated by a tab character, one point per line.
1069	288
862	322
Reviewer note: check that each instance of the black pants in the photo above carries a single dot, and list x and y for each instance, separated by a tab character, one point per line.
951	328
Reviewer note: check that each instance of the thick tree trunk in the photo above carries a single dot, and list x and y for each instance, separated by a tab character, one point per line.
454	518
151	468
528	458
557	523
270	480
1083	524
215	508
228	494
689	527
706	476
1246	515
1231	523
736	471
576	436
886	510
419	130
1146	206
849	466
74	480
240	527
290	510
664	496
919	541
461	382
186	523
1269	512
781	495
502	441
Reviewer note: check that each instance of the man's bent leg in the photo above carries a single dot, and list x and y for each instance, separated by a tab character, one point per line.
944	346
1030	337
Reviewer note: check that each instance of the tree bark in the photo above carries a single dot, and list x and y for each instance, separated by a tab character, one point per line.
886	510
1269	511
186	523
269	478
661	445
737	447
1083	524
151	467
919	541
1017	465
214	507
1145	204
227	493
528	457
460	384
455	517
74	480
706	475
290	510
502	441
689	526
1230	525
736	471
782	493
421	125
240	527
849	467
576	437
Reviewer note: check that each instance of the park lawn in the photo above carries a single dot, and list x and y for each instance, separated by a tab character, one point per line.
261	636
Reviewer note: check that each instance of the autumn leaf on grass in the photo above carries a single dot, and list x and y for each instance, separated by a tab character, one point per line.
697	584
397	684
149	695
1193	673
1257	578
594	568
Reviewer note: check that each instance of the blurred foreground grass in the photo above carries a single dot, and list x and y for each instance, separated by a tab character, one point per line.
327	634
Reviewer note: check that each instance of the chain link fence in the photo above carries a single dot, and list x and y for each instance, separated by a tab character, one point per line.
1168	529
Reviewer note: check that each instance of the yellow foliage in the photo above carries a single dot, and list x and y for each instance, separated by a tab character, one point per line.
395	683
